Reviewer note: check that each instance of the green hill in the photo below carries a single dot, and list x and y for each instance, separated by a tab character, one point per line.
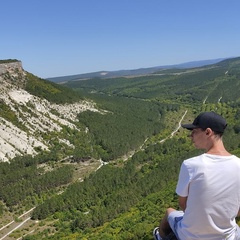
209	83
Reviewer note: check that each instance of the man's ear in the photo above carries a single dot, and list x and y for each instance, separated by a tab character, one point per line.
208	131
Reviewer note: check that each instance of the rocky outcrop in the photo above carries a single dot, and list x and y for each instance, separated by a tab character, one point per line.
11	67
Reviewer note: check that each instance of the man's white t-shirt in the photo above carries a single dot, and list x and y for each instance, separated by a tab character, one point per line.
212	185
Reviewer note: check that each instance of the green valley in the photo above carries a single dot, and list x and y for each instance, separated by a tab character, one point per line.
111	171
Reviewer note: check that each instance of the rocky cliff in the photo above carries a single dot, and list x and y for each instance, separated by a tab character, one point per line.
24	118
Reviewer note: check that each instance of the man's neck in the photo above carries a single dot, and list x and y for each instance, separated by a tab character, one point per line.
217	148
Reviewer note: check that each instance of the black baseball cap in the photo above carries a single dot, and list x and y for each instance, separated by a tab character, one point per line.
208	120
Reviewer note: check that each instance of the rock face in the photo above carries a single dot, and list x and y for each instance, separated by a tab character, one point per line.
24	118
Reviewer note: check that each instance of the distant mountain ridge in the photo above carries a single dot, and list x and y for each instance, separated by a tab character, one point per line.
133	72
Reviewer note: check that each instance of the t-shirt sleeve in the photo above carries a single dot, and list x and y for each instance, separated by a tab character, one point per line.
183	181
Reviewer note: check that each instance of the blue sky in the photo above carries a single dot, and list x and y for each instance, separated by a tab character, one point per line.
65	37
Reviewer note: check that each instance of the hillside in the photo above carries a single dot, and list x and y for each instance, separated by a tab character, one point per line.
99	159
212	83
25	118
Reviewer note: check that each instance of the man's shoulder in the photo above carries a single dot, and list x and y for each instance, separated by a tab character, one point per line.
205	158
194	159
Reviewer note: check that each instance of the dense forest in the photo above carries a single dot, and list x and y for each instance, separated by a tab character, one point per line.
127	196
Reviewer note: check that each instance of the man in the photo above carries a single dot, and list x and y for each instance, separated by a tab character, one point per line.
208	187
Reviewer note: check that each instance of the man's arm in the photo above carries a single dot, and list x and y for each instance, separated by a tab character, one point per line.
183	203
